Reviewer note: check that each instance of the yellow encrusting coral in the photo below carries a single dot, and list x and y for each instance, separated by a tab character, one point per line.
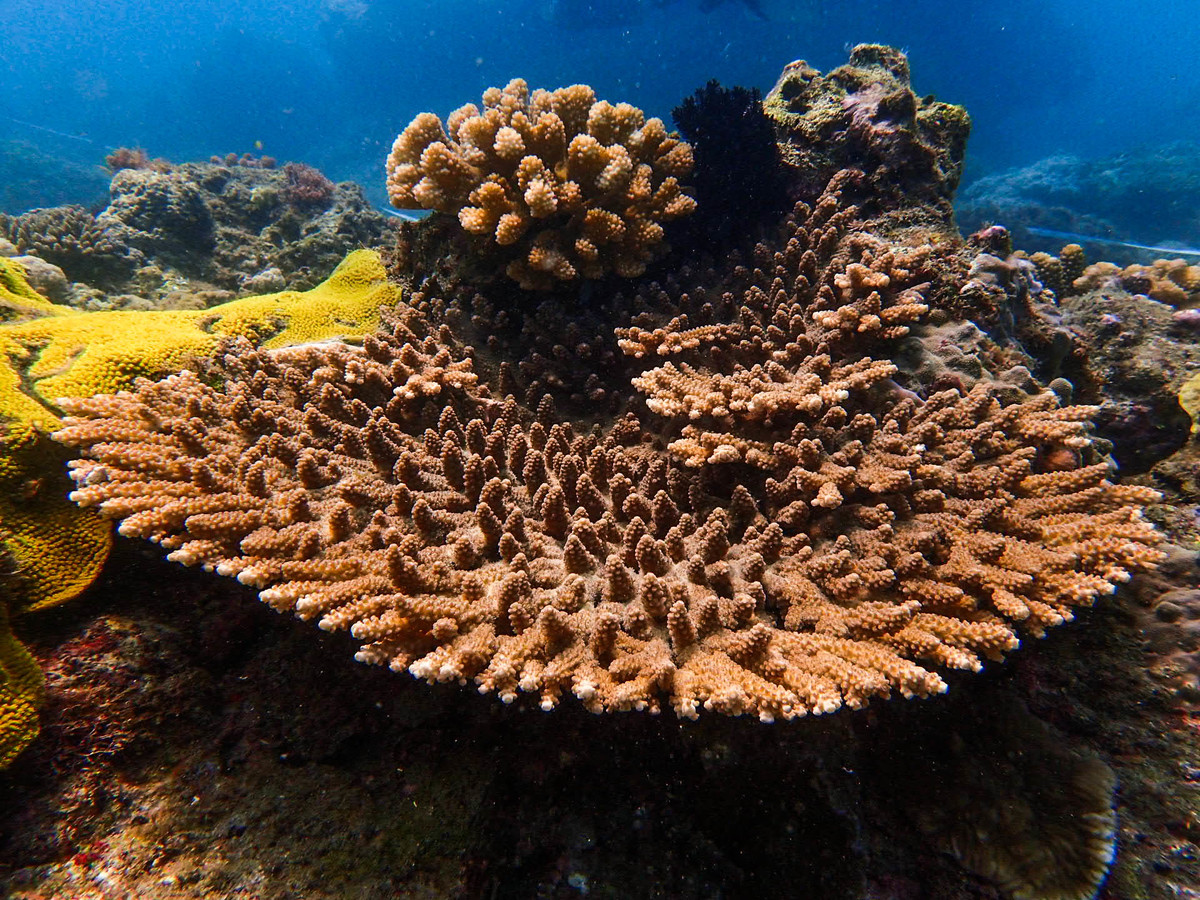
56	549
1189	399
100	352
20	694
17	298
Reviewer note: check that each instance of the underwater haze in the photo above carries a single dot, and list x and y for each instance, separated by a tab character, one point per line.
331	82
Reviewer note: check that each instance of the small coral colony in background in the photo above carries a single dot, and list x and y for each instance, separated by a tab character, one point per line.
580	461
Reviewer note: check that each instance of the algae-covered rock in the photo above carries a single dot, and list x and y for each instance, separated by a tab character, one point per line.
18	300
1134	350
161	211
865	115
201	225
46	278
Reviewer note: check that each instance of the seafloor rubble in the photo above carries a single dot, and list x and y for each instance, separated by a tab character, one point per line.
840	462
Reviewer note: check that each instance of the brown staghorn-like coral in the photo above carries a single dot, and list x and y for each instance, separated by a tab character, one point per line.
551	344
559	185
811	539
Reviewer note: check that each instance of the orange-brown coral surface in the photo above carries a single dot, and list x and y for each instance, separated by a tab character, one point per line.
777	529
576	186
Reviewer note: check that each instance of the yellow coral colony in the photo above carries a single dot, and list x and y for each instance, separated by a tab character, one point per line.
20	694
1189	399
102	352
575	186
55	548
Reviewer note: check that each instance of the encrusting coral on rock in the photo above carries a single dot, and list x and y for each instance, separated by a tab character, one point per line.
55	548
79	354
811	540
1135	354
576	187
18	300
20	694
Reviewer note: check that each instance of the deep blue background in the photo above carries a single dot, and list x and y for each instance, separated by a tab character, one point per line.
332	81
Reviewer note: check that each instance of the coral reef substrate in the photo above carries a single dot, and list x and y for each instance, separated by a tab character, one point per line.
838	475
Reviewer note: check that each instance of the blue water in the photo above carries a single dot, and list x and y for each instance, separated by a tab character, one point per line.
332	81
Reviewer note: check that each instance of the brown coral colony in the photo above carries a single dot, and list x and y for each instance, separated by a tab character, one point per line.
577	188
776	528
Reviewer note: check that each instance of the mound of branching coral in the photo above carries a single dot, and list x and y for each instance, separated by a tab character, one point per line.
559	185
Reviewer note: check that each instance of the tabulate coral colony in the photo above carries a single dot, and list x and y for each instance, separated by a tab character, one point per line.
766	523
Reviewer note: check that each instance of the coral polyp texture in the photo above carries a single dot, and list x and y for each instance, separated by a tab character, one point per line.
780	530
78	354
20	694
560	186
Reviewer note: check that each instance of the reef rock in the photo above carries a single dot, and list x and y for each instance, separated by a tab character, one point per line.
865	115
200	227
1141	355
46	278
